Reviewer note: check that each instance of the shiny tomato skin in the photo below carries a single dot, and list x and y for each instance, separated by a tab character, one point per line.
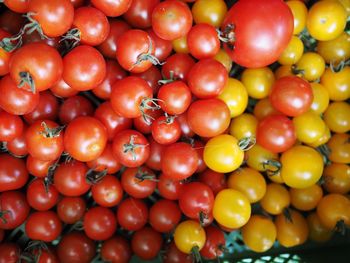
258	46
162	47
13	173
178	63
112	8
11	126
164	215
216	181
132	214
40	198
4	55
214	244
37	167
139	14
105	162
18	146
155	157
146	243
108	192
169	188
166	131
138	182
74	107
9	252
71	209
116	249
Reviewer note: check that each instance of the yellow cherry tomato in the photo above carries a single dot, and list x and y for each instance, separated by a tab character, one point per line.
309	127
189	235
337	117
318	232
326	20
302	166
311	65
337	178
299	11
223	154
322	140
293	52
291	232
321	98
346	5
249	182
339	147
332	209
275	177
258	82
306	199
180	45
235	96
224	59
259	234
264	108
258	158
337	83
212	12
276	199
243	126
284	71
335	50
231	208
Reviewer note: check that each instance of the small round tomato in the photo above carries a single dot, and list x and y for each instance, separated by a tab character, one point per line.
71	209
164	215
106	162
302	166
339	146
224	59
309	127
231	208
215	243
337	178
299	11
116	249
209	11
311	66
264	108
259	234
322	140
169	188
138	182
17	146
326	20
10	252
249	182
13	172
11	126
291	232
293	51
110	8
146	243
37	167
318	232
337	83
258	157
177	66
162	47
306	199
216	181
139	14
174	255
337	117
62	90
132	214
336	50
74	107
189	236
107	192
166	130
258	82
321	98
243	126
276	199
41	197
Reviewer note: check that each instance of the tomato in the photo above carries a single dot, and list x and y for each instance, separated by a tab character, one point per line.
152	76
14	100
138	182
263	108
291	95
11	21
179	64
146	243
9	252
337	117
179	161
116	249
249	182
231	208
311	66
99	223
105	162
339	146
317	231
44	255
4	55
243	126
337	178
54	18
132	214
337	83
36	37
293	51
166	130
37	167
321	98
276	199
258	82
259	234
19	6
223	154
139	14
275	31
216	181
162	47
284	71
62	90
302	166
291	232
258	157
185	127
156	151
332	209
180	45
209	11
309	127
215	243
76	247
71	209
299	11
169	188
17	146
164	215
323	139
306	199
44	226
70	178
144	124
112	8
174	255
14	209
13	173
40	197
224	59
107	192
171	19
11	126
276	133
73	107
335	50
189	236
326	20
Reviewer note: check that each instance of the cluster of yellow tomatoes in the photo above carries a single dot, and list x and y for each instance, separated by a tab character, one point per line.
304	193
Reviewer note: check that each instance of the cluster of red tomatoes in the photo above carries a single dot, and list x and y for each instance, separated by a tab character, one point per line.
125	129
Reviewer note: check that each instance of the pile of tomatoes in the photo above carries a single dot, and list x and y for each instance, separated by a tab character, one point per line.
152	128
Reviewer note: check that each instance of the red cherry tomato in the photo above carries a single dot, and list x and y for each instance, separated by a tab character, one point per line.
146	243
13	173
164	215
71	209
132	214
41	198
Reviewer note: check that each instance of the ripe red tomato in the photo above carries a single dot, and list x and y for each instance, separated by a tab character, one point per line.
291	95
162	47
13	173
152	76
18	146
166	130
155	156
19	6
139	14
62	90
37	167
41	198
216	181
70	178
11	126
99	223
164	216
108	192
85	138
255	46
14	209
83	68
71	209
215	242
179	161
132	214
174	255
116	249
276	133
112	8
9	252
73	107
215	120
144	125
178	65
171	19
43	226
131	148
105	162
185	127
4	55
169	188
146	243
138	182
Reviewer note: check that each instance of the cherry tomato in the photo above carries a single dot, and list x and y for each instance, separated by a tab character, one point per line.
139	14
180	45
209	11
108	192
164	215
17	146
174	255
337	83
169	188
293	51
116	249
13	173
156	151
264	108
132	214
306	199
243	126
189	236
258	82
9	252
105	162
146	243
335	50
215	243
152	76
337	117
339	146
309	127
71	209
112	8
138	182
162	47
317	231
40	197
62	90
311	66
276	199
178	65
4	55
18	6
73	107
337	178
321	98
11	126
216	181
299	11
